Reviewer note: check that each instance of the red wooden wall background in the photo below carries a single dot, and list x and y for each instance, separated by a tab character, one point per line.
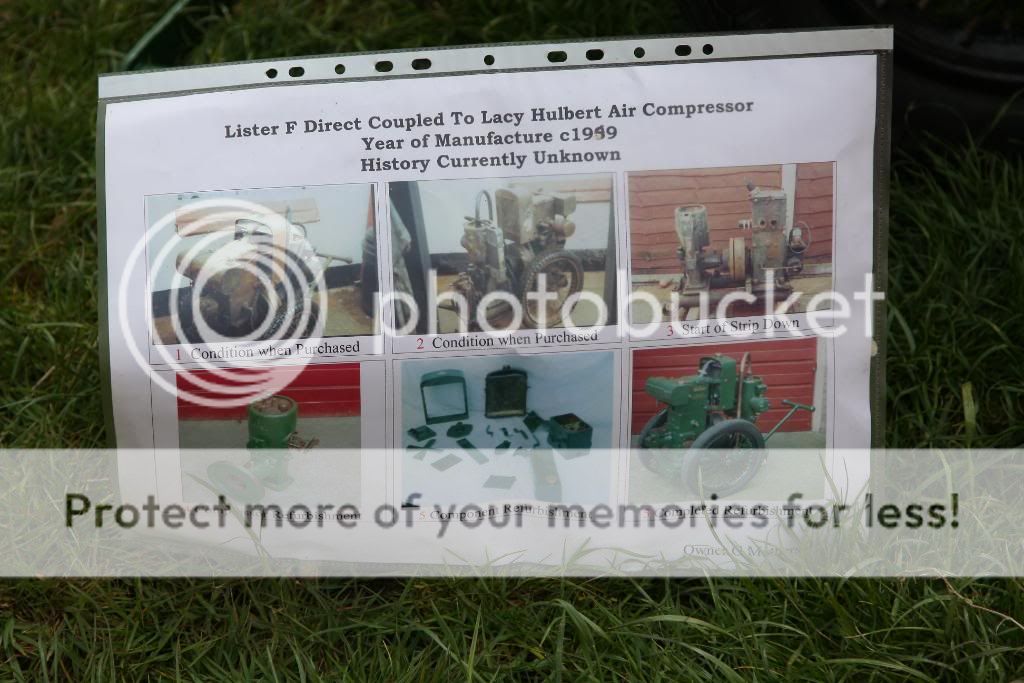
322	390
788	367
655	195
813	205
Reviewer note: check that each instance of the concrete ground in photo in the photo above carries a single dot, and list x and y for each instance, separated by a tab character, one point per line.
345	317
783	473
333	432
585	313
642	314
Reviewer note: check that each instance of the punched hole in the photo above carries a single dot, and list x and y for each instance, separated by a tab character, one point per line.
384	66
595	55
489	59
271	73
557	56
683	50
296	71
421	63
339	68
639	52
707	49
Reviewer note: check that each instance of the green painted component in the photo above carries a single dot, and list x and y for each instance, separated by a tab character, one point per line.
721	372
547	485
460	430
754	401
698	402
471	451
688	399
569	431
422	433
533	421
505	393
437	407
272	421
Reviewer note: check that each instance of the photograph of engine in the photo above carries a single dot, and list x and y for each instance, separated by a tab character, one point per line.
504	253
274	263
754	234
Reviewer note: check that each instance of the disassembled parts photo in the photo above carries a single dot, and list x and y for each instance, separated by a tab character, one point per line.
444	396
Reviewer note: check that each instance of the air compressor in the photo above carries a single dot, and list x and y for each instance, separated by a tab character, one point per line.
516	245
766	256
234	301
272	425
713	414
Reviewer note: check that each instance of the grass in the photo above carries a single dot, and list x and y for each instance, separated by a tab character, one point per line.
957	280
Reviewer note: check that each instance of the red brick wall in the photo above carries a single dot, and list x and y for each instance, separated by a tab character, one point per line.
322	390
788	367
654	196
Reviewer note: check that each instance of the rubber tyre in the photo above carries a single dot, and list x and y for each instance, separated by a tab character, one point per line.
656	460
748	431
573	265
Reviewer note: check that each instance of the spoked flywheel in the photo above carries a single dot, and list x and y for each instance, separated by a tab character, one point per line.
724	458
562	274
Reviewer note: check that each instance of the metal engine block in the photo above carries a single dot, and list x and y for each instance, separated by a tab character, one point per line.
768	257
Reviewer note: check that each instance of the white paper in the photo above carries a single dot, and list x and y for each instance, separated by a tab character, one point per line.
620	140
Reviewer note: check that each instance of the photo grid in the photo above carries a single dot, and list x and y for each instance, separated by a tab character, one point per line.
550	403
